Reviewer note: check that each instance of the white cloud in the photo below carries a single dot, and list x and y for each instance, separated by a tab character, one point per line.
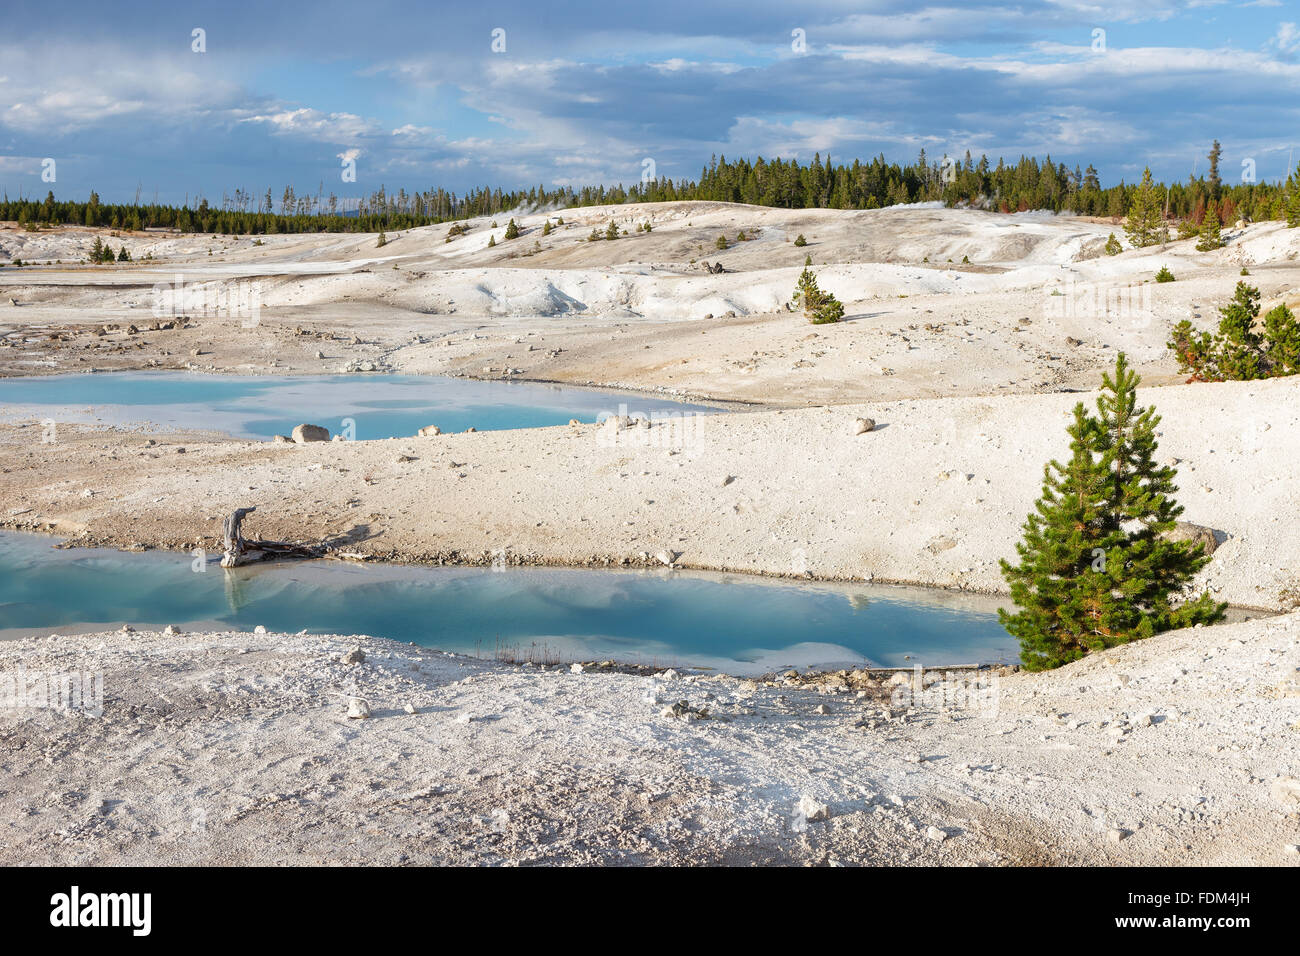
1287	39
313	123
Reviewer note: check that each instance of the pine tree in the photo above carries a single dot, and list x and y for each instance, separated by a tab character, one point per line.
1113	248
1210	231
1095	570
1213	176
512	230
1282	353
1145	224
1153	570
819	307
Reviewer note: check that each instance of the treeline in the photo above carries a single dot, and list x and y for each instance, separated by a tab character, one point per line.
1006	187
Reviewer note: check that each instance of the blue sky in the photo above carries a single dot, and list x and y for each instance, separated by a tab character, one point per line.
584	92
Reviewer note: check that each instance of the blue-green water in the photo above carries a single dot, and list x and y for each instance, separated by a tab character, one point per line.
374	406
732	622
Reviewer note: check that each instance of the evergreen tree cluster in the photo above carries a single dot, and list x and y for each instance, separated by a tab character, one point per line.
1239	351
1096	569
1005	186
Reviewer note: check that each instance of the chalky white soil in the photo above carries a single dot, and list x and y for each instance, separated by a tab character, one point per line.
235	748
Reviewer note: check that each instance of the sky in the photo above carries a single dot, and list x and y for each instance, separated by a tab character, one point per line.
122	98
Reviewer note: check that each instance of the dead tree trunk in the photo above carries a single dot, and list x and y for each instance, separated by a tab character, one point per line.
237	550
240	551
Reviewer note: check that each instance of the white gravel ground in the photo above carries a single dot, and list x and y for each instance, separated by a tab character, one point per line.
236	748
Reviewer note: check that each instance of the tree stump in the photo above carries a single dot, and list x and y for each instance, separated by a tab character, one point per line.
237	550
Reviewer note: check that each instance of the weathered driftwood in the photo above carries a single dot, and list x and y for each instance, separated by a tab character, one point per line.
241	551
237	550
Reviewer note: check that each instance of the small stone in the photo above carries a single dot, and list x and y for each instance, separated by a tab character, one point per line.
576	668
822	709
355	656
863	425
410	708
358	709
259	629
1116	835
428	431
171	630
935	834
308	433
812	809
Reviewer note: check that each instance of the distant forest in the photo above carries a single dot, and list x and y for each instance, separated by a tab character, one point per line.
1026	184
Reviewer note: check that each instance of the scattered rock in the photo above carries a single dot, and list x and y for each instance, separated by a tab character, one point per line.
1186	531
282	440
171	630
812	809
259	629
354	656
684	711
935	834
358	709
428	431
863	425
306	433
1116	835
